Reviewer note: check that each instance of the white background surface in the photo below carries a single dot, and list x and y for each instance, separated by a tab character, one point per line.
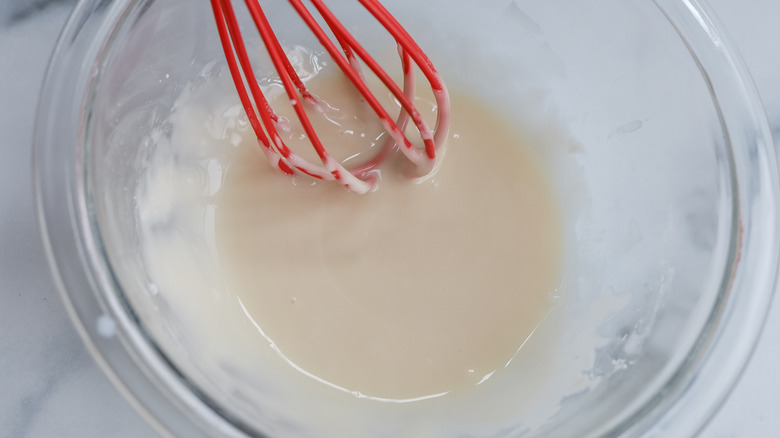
51	387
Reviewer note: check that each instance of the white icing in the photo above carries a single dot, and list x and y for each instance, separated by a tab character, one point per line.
250	261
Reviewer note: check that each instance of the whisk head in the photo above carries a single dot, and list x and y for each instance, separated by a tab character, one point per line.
347	53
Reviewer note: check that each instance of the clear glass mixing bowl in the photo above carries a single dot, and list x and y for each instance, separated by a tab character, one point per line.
666	172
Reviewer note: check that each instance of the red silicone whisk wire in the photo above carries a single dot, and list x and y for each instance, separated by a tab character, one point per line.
357	179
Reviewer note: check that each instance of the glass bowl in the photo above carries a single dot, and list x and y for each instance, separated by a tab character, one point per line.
659	151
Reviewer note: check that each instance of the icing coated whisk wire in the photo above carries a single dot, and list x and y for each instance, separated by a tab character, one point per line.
347	56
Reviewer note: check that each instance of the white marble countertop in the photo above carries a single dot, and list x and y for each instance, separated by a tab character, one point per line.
49	384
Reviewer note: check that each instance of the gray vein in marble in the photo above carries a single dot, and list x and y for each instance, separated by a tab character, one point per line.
15	11
61	355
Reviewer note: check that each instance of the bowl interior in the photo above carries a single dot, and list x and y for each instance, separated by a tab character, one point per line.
627	128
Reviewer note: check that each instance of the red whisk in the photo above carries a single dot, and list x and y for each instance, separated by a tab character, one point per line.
357	179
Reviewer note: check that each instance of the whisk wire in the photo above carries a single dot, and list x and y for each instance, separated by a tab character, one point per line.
275	149
359	179
351	72
223	13
406	102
